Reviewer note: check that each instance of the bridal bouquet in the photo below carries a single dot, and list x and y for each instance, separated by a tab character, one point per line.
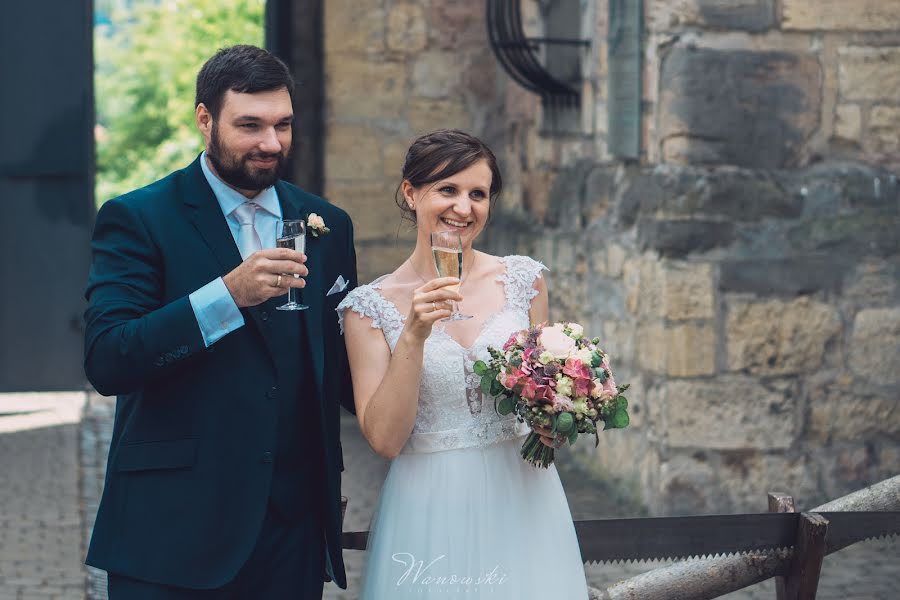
552	376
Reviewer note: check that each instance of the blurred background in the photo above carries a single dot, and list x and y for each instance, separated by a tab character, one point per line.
713	184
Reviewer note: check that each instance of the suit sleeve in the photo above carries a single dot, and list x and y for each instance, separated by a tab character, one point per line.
346	384
131	337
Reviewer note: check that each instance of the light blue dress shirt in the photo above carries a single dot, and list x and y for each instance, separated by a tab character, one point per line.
215	309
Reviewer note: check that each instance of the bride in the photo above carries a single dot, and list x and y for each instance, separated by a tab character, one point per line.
461	514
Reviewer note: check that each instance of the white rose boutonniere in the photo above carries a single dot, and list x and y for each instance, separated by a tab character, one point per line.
315	225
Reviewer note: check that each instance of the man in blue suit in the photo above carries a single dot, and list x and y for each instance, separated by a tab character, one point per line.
223	479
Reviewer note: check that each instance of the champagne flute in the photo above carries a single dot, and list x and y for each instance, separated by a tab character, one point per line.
291	234
446	247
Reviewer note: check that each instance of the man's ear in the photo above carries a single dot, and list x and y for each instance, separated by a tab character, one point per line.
204	120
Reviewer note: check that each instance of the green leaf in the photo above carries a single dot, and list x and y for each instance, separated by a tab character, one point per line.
506	405
573	437
621	403
486	384
596	359
601	375
620	420
565	423
496	387
480	368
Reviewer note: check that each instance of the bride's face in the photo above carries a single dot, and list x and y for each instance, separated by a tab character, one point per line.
459	203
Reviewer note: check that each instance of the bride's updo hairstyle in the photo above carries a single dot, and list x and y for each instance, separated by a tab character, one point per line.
441	154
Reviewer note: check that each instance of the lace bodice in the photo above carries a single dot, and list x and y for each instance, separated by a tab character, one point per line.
449	395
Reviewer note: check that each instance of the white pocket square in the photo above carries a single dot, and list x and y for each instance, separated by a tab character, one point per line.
340	284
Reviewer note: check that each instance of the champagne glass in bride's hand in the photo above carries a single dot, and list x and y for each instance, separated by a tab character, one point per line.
291	234
446	247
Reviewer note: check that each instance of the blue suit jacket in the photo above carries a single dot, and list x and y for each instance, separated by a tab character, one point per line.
190	467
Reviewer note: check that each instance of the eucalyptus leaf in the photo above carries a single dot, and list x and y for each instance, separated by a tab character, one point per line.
486	384
620	420
506	405
621	403
573	437
480	367
496	387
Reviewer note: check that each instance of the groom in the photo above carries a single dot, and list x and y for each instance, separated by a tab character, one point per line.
223	479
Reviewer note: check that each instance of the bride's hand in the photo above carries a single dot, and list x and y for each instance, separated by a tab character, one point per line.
430	303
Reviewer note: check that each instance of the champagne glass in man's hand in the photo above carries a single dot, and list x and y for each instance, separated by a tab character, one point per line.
291	234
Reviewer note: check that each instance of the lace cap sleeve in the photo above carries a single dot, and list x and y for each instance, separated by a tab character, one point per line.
365	301
518	280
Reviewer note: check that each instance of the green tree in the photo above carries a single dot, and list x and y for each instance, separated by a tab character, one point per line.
146	67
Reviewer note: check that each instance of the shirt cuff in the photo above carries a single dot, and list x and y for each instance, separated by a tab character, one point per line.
216	312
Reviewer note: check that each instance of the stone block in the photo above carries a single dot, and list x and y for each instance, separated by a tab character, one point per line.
873	283
359	87
371	206
836	15
353	153
677	238
869	73
436	74
688	291
406	28
743	15
870	232
729	413
842	409
650	346
848	122
690	350
426	114
739	107
378	257
747	476
643	279
874	351
783	276
775	337
457	24
686	486
884	128
351	26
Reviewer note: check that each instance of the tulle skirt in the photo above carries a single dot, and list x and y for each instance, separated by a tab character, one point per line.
473	523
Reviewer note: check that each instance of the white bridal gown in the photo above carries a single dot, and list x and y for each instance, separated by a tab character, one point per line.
461	514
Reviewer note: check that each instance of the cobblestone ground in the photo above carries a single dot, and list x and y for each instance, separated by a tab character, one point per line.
47	504
40	518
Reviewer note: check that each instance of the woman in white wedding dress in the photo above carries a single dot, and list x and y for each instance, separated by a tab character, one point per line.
461	514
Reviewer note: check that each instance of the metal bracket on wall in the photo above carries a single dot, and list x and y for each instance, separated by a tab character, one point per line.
519	55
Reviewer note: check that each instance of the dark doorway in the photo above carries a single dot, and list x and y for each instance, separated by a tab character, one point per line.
46	189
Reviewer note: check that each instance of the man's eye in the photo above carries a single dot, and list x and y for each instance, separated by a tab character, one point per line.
249	125
283	126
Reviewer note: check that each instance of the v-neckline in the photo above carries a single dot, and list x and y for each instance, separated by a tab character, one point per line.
441	330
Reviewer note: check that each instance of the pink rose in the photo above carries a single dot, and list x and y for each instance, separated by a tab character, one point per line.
557	343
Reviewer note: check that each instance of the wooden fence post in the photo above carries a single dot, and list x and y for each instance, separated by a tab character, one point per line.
780	503
809	550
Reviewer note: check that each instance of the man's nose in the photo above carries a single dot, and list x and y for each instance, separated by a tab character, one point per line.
270	143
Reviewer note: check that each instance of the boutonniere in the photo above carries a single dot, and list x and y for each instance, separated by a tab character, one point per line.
315	225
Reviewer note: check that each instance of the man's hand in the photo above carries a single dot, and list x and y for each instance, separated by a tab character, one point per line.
266	274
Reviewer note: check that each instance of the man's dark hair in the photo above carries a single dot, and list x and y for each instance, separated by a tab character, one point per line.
244	69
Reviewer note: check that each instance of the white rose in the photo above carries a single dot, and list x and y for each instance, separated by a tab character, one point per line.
577	330
556	342
315	221
585	356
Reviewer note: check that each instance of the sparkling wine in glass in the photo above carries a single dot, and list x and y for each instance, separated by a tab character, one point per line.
446	247
292	234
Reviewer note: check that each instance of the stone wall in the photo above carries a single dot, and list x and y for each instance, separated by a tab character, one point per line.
743	272
396	69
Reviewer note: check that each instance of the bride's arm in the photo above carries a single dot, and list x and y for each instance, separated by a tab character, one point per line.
540	306
385	385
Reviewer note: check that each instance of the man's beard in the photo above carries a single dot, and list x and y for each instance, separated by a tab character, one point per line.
237	172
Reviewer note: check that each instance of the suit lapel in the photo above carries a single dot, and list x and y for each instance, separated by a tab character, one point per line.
311	295
207	217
